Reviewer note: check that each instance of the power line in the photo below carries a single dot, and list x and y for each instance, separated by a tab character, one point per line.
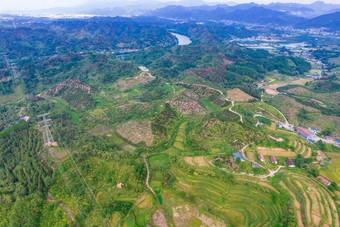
12	67
80	174
47	135
67	183
48	138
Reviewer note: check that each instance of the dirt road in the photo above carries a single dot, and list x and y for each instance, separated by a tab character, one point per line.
148	176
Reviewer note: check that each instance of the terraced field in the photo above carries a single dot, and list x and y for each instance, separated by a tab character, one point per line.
179	141
301	146
243	204
314	202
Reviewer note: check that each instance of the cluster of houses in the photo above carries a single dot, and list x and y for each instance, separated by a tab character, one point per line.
290	163
315	75
308	134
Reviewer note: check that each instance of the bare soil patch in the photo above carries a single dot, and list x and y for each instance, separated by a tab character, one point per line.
275	152
191	95
189	160
238	95
129	83
271	91
158	219
271	88
187	106
136	131
200	161
211	221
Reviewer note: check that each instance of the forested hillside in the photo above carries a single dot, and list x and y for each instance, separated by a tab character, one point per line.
74	36
24	176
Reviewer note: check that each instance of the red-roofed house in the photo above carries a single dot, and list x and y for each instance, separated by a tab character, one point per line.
326	182
290	163
261	157
273	159
305	133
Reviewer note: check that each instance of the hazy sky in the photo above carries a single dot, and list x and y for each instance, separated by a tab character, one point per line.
44	4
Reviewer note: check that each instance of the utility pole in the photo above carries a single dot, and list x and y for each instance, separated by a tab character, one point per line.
11	67
46	131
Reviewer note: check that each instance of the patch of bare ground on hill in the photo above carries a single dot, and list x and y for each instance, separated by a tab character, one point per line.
75	92
271	88
158	219
238	95
185	213
129	83
214	96
136	131
126	108
187	106
191	95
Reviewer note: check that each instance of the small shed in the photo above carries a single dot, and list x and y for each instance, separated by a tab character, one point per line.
273	159
261	157
326	182
290	162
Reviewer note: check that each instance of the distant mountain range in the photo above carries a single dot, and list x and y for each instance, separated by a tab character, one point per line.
330	21
317	14
247	13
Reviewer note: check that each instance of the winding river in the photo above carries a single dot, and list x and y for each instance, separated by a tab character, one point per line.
182	39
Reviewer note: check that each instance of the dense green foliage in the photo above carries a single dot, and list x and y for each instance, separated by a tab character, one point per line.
228	66
76	35
24	177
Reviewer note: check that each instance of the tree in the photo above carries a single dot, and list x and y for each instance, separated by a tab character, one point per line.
315	172
238	160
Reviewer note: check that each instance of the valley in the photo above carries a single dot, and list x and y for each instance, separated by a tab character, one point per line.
200	125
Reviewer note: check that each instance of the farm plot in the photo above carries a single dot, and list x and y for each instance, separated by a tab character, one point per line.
332	171
275	152
238	95
313	200
186	105
136	131
196	161
242	204
129	83
301	146
179	141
